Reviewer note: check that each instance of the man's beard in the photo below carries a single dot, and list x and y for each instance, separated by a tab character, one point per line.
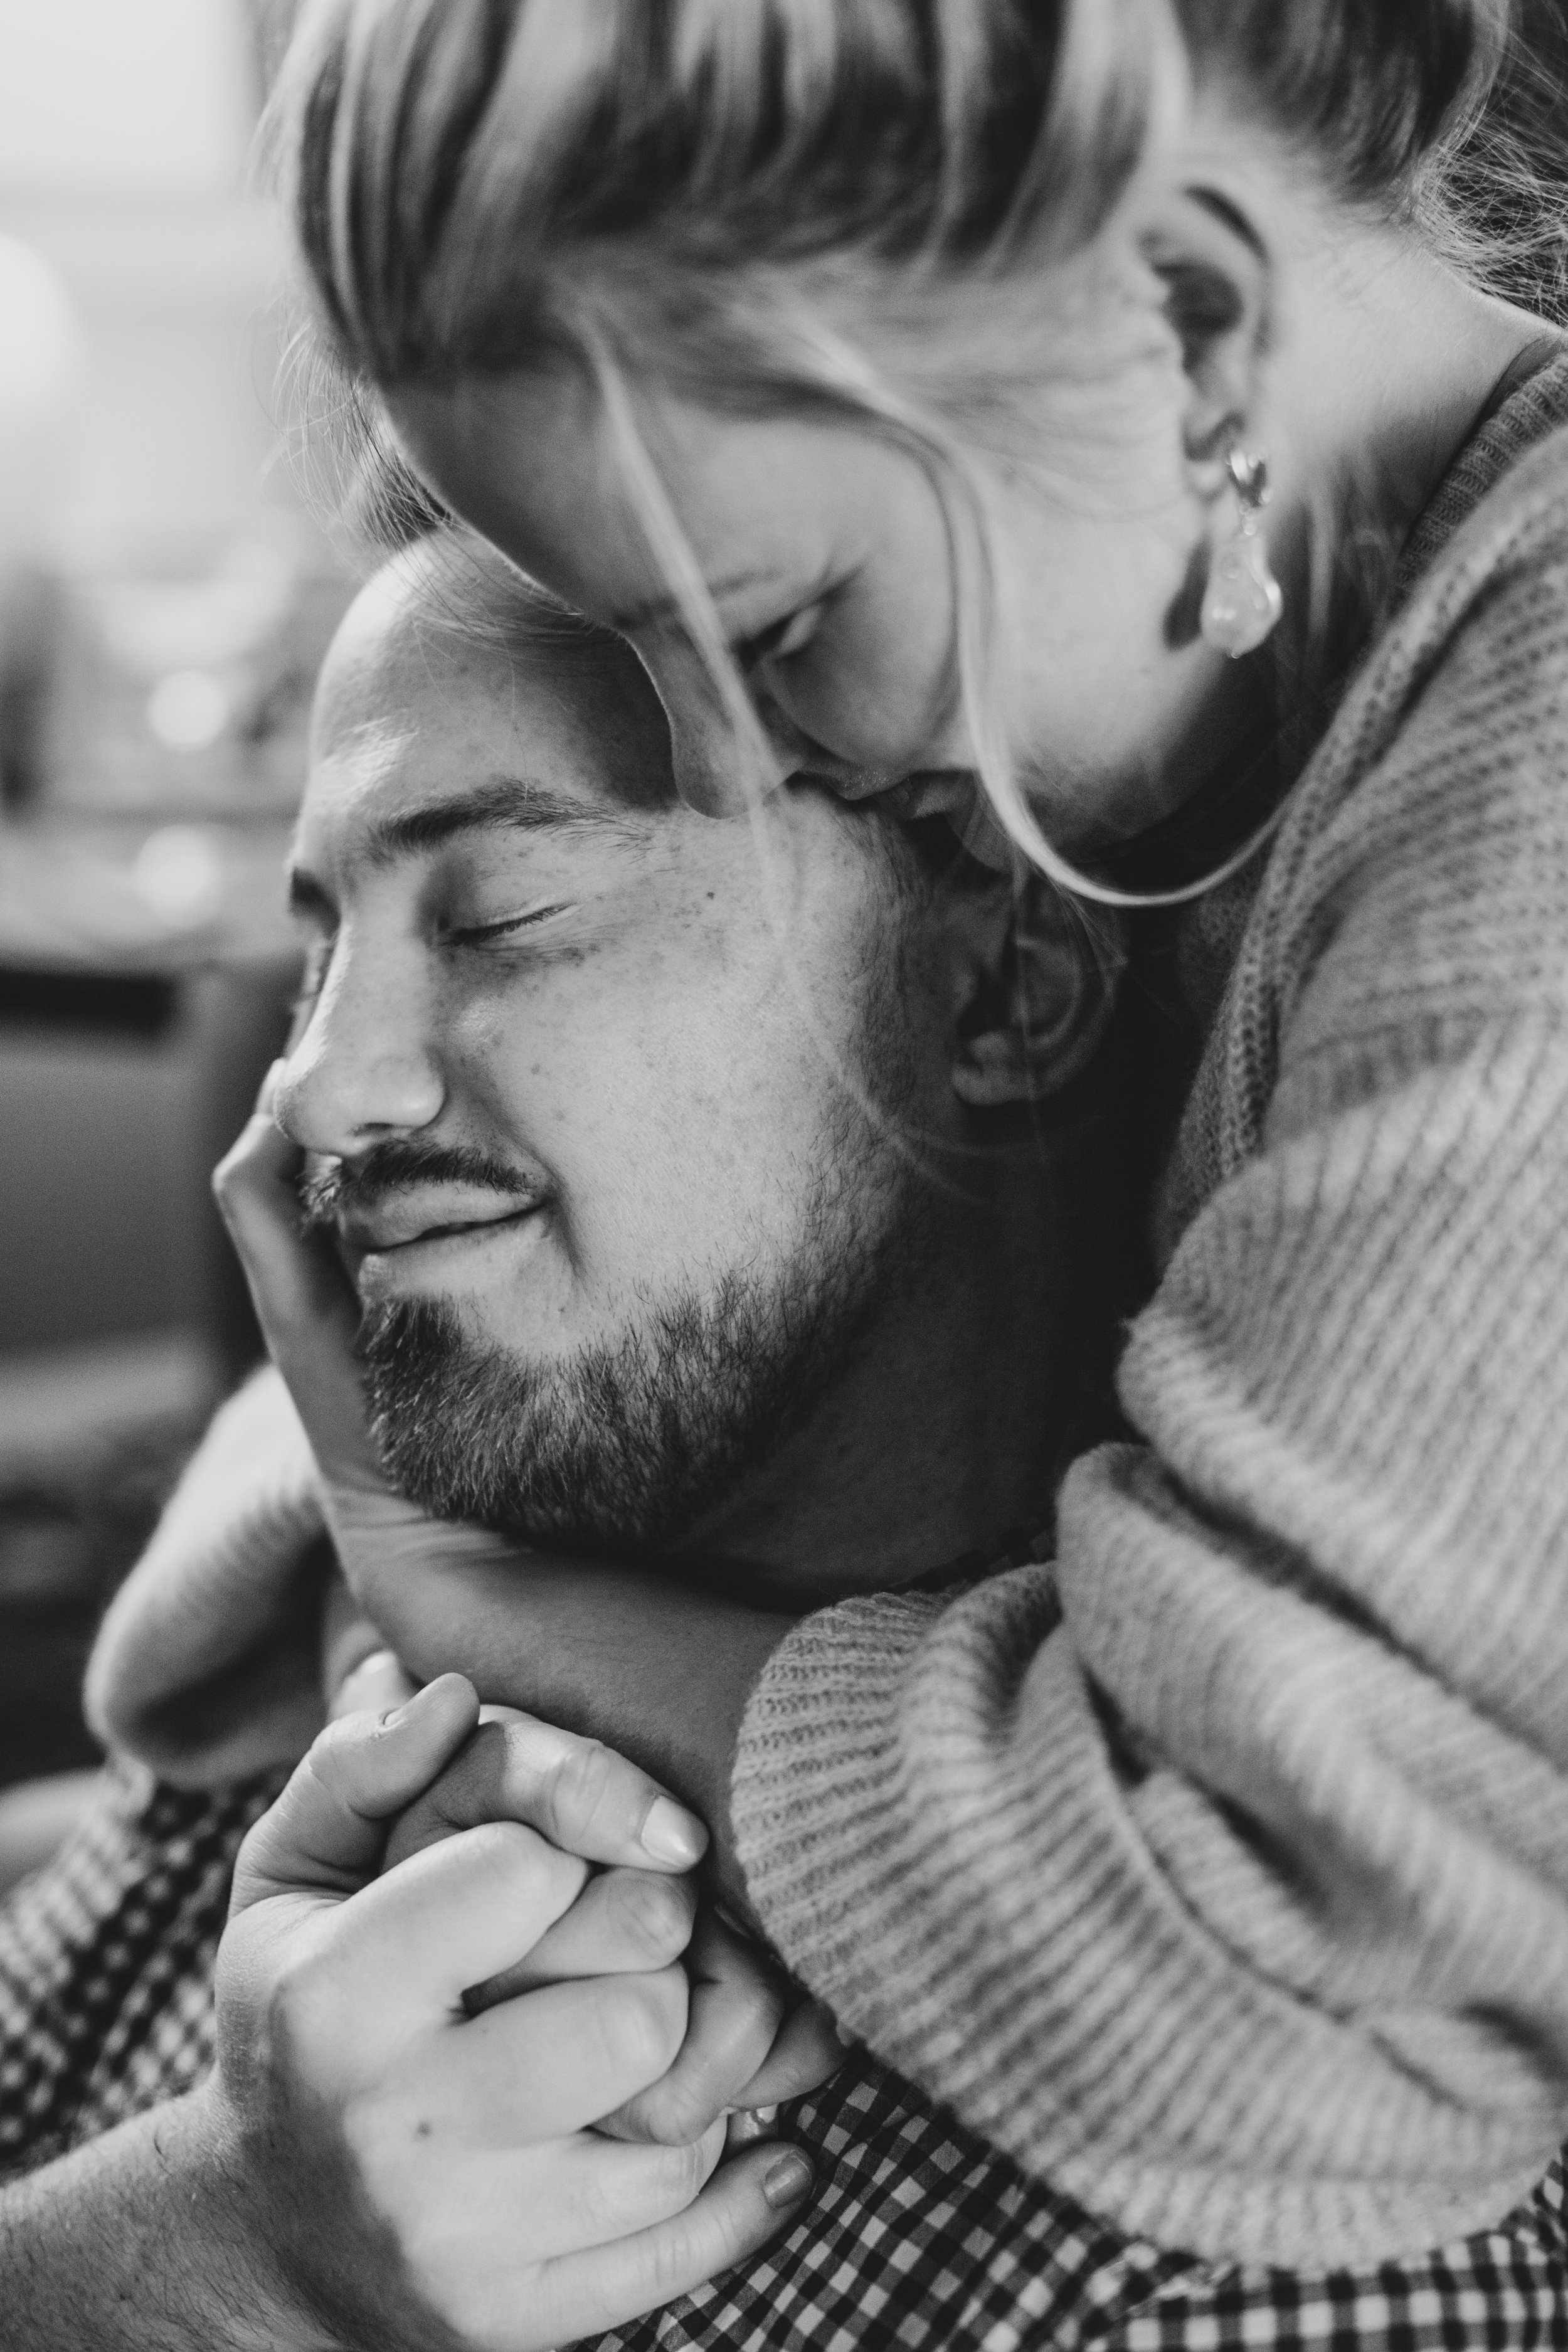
627	1446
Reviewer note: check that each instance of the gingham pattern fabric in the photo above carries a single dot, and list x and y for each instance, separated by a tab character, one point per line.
106	1962
919	2235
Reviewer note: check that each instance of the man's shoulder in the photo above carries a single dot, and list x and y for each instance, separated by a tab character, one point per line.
106	1959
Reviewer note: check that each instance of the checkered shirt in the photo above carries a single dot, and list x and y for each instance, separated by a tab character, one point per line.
919	2235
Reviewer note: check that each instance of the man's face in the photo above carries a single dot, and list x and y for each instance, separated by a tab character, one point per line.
609	1102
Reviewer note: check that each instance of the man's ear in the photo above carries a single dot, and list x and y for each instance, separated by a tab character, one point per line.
1035	981
1216	270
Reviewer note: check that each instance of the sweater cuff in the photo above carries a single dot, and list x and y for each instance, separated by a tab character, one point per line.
816	1792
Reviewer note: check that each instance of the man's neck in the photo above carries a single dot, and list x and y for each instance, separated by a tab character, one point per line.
946	1426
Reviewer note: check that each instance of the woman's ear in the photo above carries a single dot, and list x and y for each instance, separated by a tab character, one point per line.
1035	981
1216	271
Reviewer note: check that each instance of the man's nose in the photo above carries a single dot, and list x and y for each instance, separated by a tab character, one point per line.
362	1068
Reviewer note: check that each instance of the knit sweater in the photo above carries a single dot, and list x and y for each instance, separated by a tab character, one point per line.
1219	1871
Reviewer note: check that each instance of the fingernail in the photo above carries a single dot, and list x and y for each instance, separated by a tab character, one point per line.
787	2182
670	1834
396	1714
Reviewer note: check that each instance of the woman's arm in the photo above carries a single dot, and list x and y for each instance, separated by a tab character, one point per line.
1227	1883
606	1652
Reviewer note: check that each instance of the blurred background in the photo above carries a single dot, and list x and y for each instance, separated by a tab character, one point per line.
165	601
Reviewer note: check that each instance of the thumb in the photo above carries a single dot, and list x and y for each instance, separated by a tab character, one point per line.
326	1831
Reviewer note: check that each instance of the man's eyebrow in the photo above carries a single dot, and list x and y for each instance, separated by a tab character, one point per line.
506	803
669	607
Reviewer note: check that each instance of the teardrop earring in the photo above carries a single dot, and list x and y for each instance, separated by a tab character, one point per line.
1243	601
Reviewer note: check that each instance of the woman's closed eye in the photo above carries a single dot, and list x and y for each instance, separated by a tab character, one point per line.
782	639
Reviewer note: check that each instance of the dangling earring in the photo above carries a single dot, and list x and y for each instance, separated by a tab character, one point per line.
1243	601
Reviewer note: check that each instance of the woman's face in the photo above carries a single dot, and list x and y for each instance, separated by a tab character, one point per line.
825	550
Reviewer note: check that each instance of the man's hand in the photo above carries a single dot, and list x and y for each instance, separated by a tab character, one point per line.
414	2157
370	2167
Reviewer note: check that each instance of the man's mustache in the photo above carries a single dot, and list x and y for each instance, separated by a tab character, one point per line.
338	1188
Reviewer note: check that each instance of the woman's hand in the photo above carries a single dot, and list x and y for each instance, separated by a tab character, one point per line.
659	1670
309	1316
411	2165
751	2041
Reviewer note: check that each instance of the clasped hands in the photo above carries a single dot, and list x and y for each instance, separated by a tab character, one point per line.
478	2039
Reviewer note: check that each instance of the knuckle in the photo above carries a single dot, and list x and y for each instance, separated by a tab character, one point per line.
641	2020
298	2011
671	2259
679	2173
232	1185
677	2112
679	2251
666	2177
578	1782
508	1850
657	1913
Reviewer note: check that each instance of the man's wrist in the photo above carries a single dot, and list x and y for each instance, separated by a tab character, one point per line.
138	2242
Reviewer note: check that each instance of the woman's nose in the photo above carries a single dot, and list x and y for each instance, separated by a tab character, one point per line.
721	765
361	1069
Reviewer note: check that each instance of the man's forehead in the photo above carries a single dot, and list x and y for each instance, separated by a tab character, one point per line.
385	790
412	720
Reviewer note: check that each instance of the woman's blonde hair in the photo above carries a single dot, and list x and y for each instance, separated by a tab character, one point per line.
704	191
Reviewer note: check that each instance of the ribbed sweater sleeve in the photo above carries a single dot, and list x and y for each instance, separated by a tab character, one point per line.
207	1666
1220	1873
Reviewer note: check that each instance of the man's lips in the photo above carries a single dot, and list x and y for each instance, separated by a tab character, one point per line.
421	1213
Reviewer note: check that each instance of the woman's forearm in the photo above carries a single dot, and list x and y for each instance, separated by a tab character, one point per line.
656	1669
